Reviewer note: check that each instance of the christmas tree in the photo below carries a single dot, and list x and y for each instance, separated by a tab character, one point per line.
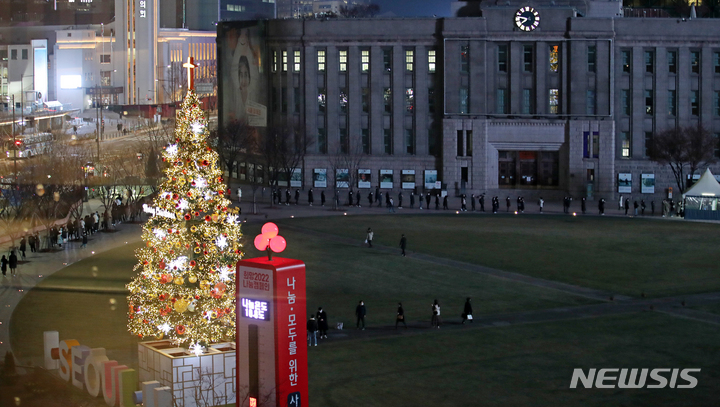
185	287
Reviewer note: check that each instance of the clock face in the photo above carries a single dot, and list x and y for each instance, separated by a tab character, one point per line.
527	18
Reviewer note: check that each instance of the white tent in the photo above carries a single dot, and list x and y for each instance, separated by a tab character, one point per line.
707	185
701	201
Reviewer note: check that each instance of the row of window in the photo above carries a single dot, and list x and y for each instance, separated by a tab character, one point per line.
13	54
672	61
280	103
502	101
626	103
345	144
626	144
321	56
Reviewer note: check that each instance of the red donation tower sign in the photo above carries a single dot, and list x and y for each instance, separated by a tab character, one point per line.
271	333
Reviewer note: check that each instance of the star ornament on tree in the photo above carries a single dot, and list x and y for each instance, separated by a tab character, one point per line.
269	240
197	127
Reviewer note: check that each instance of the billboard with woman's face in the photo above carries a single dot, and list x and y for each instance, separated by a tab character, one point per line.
242	73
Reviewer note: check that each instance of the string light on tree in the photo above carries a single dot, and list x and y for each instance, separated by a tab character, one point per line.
184	290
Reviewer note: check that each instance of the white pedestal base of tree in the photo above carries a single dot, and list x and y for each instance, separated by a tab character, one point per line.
196	381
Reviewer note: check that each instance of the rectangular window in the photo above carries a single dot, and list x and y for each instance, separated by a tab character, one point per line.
716	151
468	142
3	55
366	100
695	61
648	143
322	101
322	141
626	60
297	98
284	61
105	78
625	102
596	144
387	140
465	58
695	103
431	100
105	58
24	53
409	60
365	61
365	138
502	58
716	62
387	100
716	103
431	60
501	101
460	149
649	61
409	100
342	56
387	59
296	61
527	58
321	60
344	145
275	61
13	54
554	101
625	144
409	141
554	58
672	103
464	102
343	100
527	101
591	58
649	102
591	105
672	61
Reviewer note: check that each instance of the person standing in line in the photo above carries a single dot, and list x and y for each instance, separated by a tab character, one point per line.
420	200
350	198
400	199
568	203
412	200
652	208
437	202
467	311
377	196
642	207
84	239
400	316
357	199
635	206
507	203
370	199
23	247
379	199
445	203
369	237
472	202
12	262
403	244
322	322
435	321
388	199
4	266
519	204
37	241
239	194
391	205
463	203
287	196
620	203
601	206
583	205
482	203
322	198
31	242
427	200
311	199
627	205
312	327
541	204
297	196
360	312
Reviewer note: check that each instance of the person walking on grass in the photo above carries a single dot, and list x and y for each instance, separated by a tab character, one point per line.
601	206
4	265
322	322
360	312
403	244
541	204
435	321
400	316
369	237
467	311
312	327
12	262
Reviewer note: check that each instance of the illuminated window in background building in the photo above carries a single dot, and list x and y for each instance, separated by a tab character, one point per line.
365	60
321	60
343	55
321	100
235	7
649	102
554	101
431	60
626	60
274	63
296	61
284	61
387	59
387	100
409	99
625	144
343	100
409	59
465	58
554	58
695	3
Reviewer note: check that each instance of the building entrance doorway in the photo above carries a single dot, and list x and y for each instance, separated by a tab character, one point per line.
528	169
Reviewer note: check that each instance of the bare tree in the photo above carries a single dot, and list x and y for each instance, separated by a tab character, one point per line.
232	142
684	150
211	391
350	162
14	212
359	11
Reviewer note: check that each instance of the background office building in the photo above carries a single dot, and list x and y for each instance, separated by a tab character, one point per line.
539	100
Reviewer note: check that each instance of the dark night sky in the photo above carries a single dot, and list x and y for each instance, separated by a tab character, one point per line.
415	8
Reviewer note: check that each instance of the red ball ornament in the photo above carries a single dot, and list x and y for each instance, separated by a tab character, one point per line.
180	329
192	263
197	213
189	193
205	163
207	218
188	216
161	265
